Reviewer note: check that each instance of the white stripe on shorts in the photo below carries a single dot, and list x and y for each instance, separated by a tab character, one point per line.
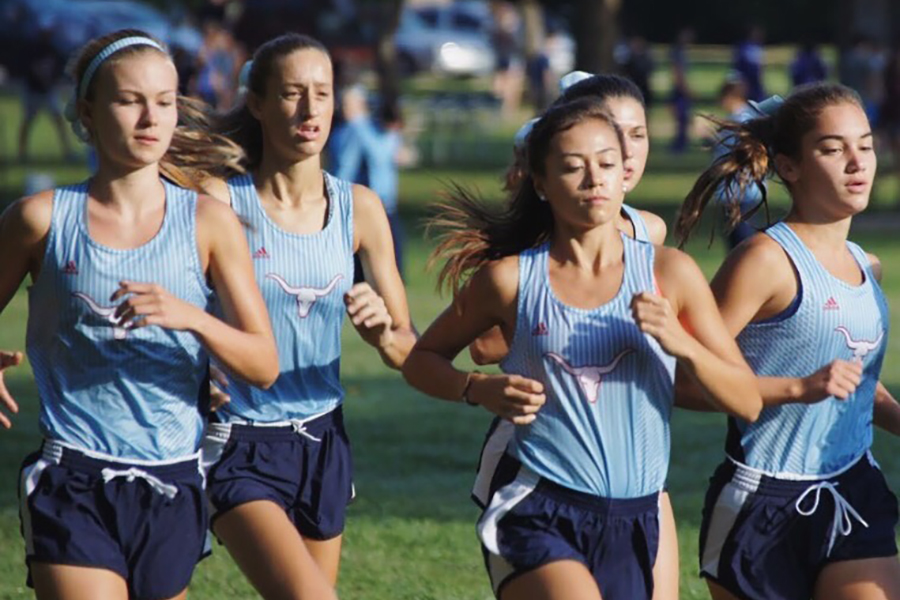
503	501
30	477
493	451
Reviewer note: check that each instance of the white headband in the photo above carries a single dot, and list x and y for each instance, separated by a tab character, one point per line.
109	51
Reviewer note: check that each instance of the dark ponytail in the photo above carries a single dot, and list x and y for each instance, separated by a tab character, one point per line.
753	146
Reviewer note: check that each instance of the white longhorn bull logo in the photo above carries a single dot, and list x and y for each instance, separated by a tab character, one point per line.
104	312
860	348
305	296
589	377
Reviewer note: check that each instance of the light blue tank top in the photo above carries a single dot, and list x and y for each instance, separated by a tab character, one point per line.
605	427
303	278
641	233
128	393
830	320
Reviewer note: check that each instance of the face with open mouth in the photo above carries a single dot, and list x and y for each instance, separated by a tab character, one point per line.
298	105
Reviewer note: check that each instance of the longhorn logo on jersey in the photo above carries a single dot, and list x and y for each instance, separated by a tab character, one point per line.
306	296
589	377
860	348
106	313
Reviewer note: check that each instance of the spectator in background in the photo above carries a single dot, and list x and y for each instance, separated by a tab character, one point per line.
540	78
681	93
507	84
808	66
218	64
889	118
638	67
862	69
369	153
43	70
748	61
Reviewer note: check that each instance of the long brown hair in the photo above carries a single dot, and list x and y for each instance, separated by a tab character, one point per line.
471	232
195	153
753	146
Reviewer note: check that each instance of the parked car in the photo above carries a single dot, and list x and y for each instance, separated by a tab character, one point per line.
444	42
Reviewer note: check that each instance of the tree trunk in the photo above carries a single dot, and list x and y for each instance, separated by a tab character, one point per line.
596	30
533	17
386	51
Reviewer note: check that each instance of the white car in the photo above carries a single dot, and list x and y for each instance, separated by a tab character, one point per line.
443	41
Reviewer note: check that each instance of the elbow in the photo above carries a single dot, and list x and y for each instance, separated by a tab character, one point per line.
752	407
267	370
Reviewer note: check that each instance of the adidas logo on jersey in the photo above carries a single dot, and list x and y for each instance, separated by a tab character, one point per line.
71	268
539	329
261	253
831	304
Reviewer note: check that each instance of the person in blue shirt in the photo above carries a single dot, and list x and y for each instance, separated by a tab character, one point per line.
366	152
122	268
748	61
593	321
799	507
808	66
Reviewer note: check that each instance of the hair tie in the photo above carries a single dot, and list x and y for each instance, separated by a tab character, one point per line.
570	79
522	134
244	76
768	107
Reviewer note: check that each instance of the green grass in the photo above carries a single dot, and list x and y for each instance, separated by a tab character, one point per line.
410	535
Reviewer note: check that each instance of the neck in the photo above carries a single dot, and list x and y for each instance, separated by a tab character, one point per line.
820	231
587	249
290	182
126	188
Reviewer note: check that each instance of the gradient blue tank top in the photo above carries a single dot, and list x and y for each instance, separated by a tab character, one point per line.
128	393
303	278
830	320
605	427
641	233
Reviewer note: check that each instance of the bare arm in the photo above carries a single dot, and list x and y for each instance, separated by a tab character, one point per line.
23	233
656	227
708	354
379	312
488	299
758	282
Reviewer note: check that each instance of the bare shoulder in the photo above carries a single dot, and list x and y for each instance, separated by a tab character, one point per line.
674	265
29	217
497	278
217	188
656	227
212	213
875	263
364	200
760	254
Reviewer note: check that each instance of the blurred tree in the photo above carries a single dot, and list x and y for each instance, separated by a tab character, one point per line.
386	50
596	31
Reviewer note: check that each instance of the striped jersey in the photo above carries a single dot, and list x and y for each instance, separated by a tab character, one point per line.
604	429
641	233
303	278
829	320
129	393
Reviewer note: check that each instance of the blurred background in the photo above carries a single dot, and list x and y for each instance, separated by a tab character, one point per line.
446	85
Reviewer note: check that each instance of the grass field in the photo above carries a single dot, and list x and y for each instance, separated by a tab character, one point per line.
410	534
